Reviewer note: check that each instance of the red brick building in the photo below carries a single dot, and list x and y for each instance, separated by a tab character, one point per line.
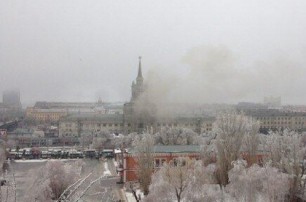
162	153
166	153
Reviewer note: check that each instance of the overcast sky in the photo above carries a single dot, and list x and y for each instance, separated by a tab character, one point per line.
205	51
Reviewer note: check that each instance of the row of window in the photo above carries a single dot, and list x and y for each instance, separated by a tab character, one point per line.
175	124
165	124
158	162
278	122
69	125
280	118
104	125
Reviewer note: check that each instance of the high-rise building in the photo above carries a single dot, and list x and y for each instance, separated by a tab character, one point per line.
12	99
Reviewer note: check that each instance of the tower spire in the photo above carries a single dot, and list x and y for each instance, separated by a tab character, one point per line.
139	69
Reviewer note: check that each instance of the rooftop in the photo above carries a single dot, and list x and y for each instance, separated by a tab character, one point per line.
272	113
174	149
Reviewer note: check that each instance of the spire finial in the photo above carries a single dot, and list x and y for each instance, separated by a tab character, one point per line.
139	68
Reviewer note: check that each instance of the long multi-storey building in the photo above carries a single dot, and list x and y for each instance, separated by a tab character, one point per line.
54	111
45	115
272	119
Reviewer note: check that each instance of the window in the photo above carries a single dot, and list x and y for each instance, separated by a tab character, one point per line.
178	162
159	162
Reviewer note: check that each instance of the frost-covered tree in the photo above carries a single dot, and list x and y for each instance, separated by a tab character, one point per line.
176	136
183	180
208	148
145	161
257	183
231	129
202	184
52	179
101	139
251	141
99	143
126	141
286	151
171	181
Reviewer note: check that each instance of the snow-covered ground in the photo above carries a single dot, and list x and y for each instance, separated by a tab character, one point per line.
116	163
106	170
130	197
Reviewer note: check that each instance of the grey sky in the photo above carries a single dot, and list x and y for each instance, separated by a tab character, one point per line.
209	51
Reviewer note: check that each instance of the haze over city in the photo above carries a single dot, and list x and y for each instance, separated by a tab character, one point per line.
193	51
129	101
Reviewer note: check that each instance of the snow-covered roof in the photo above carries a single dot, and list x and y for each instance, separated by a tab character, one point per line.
117	151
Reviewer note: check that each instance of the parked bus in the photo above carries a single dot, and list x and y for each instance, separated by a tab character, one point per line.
90	153
107	153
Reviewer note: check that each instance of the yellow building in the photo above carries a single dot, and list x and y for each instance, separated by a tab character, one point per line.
45	115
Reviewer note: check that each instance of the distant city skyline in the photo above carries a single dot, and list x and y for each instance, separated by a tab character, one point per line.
193	51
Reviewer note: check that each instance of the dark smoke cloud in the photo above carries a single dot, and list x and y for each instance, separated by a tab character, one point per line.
215	75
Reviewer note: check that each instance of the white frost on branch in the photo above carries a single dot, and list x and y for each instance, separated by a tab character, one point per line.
257	183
